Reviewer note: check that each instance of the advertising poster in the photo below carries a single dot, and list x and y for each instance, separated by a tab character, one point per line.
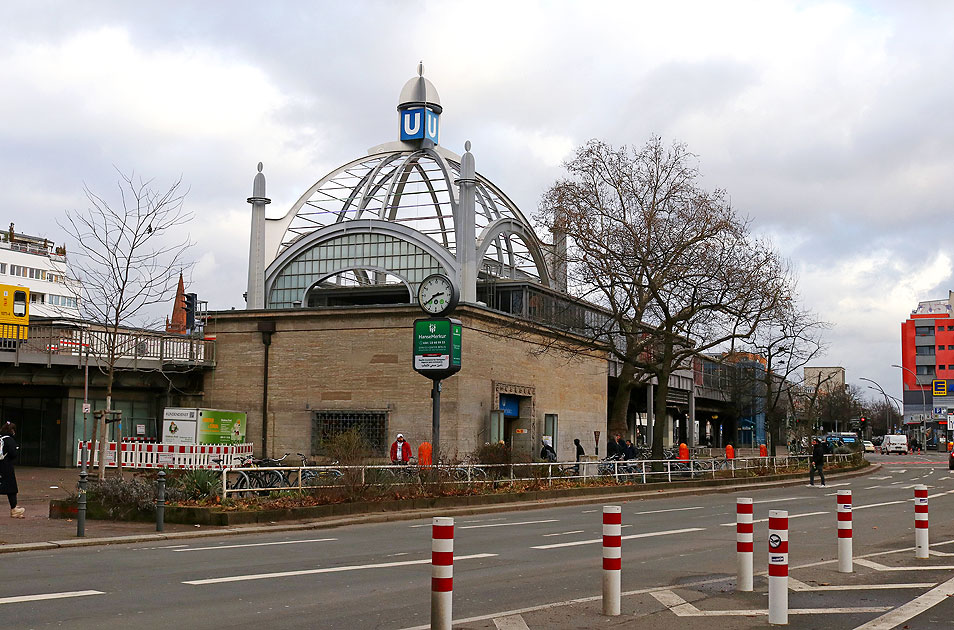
179	425
217	426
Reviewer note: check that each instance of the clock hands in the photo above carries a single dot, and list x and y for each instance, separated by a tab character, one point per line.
433	297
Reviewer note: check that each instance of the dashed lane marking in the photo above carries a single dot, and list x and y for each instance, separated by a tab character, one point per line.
281	574
268	544
42	596
630	537
670	510
682	608
575	531
549	520
790	516
780	500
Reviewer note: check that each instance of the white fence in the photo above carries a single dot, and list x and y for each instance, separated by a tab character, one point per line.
139	455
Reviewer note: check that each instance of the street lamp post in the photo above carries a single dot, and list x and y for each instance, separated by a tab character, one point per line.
886	397
923	402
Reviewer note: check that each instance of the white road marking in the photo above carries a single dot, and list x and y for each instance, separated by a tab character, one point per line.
873	487
880	478
864	507
588	511
511	622
549	520
912	609
630	537
161	547
877	566
780	500
797	585
268	544
575	531
670	510
835	485
682	608
43	596
898	472
790	516
279	574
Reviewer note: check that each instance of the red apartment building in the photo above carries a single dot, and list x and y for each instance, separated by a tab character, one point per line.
927	361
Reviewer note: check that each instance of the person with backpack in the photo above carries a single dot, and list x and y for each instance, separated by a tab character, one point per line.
8	478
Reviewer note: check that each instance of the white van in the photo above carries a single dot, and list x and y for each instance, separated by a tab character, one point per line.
895	444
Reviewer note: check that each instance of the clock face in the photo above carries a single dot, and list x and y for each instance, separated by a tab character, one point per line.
436	294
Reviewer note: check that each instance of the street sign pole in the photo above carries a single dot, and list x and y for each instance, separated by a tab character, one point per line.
436	421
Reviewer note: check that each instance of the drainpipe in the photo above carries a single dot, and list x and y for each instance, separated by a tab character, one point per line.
266	328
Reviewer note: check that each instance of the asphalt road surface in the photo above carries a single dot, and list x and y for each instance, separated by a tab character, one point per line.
521	569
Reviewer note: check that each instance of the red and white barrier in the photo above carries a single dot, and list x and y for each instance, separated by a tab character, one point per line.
146	455
442	572
921	522
744	544
612	558
844	531
778	567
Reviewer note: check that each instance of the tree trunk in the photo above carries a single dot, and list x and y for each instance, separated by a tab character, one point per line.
619	415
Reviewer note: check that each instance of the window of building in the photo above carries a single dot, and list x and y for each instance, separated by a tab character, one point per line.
924	370
370	425
926	350
950	327
923	331
3	267
950	367
37	298
940	327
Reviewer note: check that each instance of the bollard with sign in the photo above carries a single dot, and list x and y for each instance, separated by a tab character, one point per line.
744	543
778	567
921	549
844	531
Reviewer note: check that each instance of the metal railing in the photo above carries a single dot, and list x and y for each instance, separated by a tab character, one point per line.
71	343
254	480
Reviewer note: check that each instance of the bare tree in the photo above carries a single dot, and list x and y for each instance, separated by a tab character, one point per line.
787	341
129	257
677	270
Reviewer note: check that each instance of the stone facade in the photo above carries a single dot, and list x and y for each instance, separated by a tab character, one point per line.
361	359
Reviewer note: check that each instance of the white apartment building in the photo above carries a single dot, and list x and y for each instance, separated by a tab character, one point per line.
34	263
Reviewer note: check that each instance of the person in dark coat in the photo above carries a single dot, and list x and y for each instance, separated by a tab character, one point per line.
630	450
579	453
817	463
547	453
620	447
8	478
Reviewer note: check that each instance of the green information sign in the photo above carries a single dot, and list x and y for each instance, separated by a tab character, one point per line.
437	347
221	427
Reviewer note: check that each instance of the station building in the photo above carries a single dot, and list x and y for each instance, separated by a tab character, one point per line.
326	340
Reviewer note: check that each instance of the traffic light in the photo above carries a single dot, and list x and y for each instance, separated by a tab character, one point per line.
191	300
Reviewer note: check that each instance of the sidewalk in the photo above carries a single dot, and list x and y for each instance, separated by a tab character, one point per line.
38	531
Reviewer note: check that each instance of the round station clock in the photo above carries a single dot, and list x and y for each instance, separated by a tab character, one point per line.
437	295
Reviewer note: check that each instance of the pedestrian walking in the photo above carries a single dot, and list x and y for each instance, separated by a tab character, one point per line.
400	450
579	454
8	477
817	463
547	453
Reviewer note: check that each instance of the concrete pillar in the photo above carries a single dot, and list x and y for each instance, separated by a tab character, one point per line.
465	227
255	296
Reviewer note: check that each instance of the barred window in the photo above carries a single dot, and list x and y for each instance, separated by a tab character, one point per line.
371	425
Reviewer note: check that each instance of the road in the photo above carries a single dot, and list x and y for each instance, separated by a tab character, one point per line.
516	568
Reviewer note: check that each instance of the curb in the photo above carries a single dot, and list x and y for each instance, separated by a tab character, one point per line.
332	522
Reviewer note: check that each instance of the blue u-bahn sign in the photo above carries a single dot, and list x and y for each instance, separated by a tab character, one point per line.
418	123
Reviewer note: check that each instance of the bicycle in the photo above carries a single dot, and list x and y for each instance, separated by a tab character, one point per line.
242	485
309	477
268	480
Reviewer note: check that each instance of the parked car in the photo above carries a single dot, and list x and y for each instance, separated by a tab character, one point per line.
895	444
869	447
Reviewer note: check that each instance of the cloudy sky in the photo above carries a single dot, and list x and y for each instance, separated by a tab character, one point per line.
829	123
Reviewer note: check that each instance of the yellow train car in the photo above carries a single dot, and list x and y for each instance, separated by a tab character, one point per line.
14	313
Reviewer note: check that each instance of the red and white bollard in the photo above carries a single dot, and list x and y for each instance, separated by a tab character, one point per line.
778	567
744	544
844	531
442	572
921	522
612	558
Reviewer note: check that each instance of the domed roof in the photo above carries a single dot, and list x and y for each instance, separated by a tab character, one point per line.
418	92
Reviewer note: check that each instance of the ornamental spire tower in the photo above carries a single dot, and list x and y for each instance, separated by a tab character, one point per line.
419	109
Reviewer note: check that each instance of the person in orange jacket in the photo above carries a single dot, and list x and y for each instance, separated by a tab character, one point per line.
400	450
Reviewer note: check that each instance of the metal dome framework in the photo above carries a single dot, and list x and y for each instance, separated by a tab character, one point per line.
391	216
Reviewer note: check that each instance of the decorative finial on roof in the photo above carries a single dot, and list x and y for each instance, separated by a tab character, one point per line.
467	146
420	68
259	167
